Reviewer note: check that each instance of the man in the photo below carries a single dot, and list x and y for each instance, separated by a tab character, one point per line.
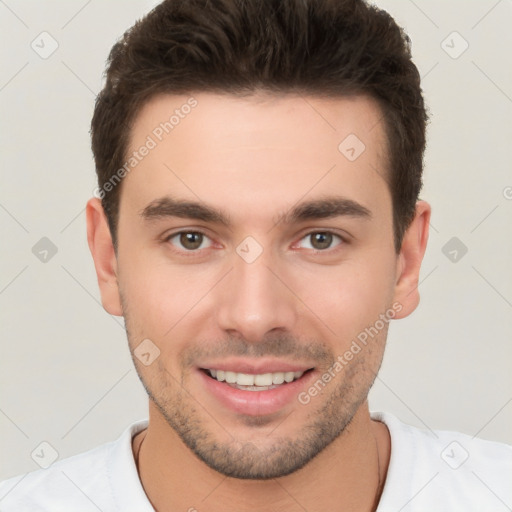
258	227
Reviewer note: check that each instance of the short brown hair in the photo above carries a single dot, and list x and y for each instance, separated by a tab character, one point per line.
332	48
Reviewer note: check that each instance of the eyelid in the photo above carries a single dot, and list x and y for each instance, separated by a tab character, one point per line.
167	237
178	231
344	237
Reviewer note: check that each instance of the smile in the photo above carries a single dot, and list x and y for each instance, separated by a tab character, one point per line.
254	387
254	382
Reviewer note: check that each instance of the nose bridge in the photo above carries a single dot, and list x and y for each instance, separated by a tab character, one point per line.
253	301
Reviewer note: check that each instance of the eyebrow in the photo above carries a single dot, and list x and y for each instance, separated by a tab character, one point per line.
322	208
170	207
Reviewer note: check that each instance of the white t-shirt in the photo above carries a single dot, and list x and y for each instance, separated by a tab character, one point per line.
428	471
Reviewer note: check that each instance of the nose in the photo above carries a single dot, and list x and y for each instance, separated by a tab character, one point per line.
254	300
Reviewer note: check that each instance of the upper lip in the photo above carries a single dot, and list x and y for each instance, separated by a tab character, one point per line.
255	367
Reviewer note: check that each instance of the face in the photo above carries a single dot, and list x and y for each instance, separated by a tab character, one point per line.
256	255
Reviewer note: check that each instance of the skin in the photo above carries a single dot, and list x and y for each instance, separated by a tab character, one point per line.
255	159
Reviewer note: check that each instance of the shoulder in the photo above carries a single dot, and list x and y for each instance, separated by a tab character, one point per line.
445	469
66	482
74	483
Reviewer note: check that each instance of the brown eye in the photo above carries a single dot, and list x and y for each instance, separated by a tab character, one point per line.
320	240
190	240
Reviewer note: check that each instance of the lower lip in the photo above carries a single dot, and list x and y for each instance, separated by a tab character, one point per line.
256	403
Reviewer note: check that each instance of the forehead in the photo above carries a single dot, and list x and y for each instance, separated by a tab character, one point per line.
255	152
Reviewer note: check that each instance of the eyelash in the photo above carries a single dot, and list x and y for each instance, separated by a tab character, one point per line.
196	252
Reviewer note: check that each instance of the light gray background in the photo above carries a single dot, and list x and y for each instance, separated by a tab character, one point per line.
66	376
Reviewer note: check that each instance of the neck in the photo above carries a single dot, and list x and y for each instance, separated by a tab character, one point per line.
347	475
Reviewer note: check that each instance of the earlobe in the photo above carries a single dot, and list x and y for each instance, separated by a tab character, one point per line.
105	261
409	261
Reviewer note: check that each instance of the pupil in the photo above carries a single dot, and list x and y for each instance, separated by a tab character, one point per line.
322	240
191	240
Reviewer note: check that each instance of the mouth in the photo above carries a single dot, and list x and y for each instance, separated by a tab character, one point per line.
253	392
254	382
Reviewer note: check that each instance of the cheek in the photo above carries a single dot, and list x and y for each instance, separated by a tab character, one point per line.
348	297
160	298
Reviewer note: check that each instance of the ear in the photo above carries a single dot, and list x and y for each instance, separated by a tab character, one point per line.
103	254
409	260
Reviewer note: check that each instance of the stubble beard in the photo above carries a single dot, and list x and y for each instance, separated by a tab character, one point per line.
231	457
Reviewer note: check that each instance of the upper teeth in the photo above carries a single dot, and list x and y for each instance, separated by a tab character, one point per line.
261	379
